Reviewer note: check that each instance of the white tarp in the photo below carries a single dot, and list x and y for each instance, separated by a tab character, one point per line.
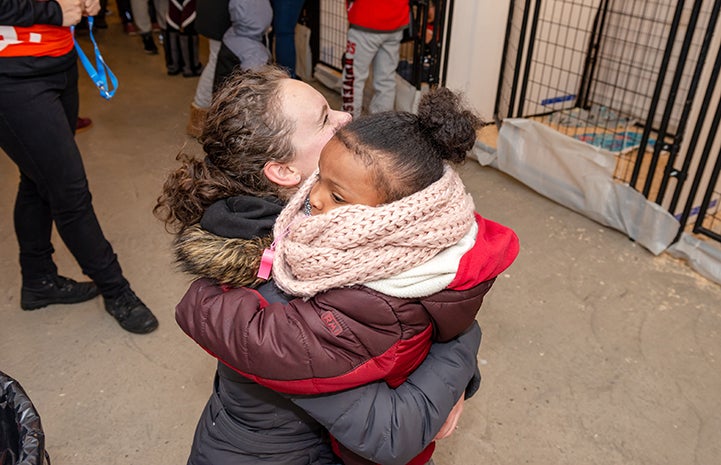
580	177
701	255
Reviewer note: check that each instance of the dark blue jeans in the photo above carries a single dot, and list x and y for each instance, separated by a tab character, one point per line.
285	17
37	125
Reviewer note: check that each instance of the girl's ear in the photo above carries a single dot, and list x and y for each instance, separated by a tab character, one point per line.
281	174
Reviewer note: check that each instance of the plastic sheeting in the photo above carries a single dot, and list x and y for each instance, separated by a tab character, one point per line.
701	256
407	96
580	177
22	441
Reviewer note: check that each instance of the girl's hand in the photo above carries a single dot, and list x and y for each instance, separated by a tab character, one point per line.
451	422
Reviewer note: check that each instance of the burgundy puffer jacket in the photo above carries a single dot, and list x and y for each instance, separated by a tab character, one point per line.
312	347
344	337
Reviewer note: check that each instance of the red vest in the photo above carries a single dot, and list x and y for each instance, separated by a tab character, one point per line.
35	41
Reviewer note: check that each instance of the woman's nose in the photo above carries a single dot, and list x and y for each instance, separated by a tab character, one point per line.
342	118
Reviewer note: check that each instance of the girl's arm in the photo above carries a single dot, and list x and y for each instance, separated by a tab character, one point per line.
391	426
212	317
305	347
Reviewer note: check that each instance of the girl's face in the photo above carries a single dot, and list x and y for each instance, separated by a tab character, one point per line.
315	123
342	180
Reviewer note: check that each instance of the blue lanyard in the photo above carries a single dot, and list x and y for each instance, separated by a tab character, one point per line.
101	72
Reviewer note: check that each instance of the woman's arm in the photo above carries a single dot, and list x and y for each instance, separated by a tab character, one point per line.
25	13
391	426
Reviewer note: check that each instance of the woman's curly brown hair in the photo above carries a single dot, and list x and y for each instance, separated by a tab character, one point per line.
245	128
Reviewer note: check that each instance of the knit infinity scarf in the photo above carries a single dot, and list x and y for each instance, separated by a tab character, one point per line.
355	244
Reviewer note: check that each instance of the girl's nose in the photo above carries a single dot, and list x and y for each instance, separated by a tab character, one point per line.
314	200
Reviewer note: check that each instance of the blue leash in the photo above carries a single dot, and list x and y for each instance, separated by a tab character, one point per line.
101	72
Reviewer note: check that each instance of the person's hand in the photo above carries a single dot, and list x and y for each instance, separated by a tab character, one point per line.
72	11
450	425
91	7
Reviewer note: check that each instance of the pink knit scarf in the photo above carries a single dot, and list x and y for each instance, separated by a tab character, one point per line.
355	244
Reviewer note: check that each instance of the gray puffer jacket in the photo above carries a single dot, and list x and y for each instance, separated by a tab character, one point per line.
244	422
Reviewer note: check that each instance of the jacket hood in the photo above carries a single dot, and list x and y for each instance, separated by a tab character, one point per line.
495	250
229	242
233	262
242	216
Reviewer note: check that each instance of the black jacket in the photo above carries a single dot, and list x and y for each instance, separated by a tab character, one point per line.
212	18
27	13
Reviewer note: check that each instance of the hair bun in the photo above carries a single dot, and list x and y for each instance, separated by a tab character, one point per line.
450	126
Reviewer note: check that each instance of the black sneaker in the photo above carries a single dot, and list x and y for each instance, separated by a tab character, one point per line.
56	290
132	314
149	44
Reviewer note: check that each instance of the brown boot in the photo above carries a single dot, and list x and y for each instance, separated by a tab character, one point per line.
196	121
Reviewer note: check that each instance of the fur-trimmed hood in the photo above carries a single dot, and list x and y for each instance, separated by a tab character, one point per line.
227	245
234	262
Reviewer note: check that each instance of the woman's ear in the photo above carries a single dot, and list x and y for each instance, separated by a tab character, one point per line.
281	174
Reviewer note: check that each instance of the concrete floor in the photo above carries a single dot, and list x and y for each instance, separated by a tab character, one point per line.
595	351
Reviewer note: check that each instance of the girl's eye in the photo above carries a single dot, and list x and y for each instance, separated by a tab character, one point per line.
337	198
325	120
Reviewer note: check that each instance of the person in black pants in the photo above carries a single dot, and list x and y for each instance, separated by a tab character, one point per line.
38	116
285	16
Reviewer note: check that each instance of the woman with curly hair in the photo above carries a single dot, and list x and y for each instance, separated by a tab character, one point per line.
262	138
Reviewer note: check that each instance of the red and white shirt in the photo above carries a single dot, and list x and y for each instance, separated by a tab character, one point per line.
37	40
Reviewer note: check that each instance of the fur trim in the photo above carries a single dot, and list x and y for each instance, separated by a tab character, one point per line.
234	262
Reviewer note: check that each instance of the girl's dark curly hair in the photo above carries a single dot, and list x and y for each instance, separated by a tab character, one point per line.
405	151
245	128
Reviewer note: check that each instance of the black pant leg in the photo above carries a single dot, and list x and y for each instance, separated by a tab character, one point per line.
37	121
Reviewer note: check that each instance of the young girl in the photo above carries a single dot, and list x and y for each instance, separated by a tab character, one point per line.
264	135
383	246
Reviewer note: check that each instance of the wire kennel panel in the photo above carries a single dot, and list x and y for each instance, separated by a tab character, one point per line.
620	75
333	33
703	143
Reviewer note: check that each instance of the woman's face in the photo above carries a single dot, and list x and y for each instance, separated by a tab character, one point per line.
315	123
343	179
